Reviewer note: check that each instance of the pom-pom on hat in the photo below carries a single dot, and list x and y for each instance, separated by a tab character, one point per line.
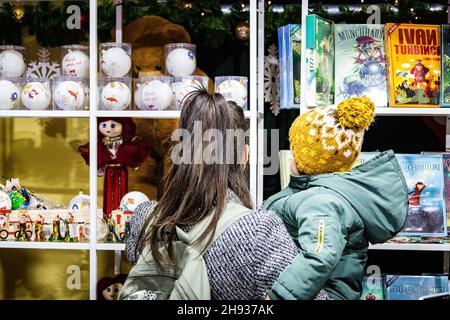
326	140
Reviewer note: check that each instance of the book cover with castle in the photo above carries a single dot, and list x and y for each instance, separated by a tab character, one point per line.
426	206
414	64
360	66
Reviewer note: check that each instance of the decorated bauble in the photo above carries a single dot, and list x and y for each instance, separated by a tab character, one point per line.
233	90
116	96
9	95
75	64
115	62
5	201
131	200
183	88
153	95
36	96
17	200
18	13
80	202
12	64
242	31
181	62
69	95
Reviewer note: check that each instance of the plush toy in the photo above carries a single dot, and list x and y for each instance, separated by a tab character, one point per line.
108	288
148	36
118	148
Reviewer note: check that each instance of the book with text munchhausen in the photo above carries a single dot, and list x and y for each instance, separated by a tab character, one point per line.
319	61
445	56
414	64
360	65
426	206
414	287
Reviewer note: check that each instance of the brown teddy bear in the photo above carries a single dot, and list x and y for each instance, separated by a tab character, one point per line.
148	35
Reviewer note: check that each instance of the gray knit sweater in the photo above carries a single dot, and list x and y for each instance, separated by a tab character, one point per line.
244	261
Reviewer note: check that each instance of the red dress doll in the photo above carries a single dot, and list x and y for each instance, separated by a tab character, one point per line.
117	149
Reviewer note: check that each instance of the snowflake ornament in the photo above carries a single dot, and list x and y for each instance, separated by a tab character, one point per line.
272	80
43	68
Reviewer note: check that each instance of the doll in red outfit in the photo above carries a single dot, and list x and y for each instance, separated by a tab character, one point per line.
414	199
117	149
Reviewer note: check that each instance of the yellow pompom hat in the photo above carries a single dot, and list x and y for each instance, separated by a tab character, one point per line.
326	140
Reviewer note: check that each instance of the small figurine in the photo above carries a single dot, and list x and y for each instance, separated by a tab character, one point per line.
118	149
111	235
23	234
56	230
126	232
81	233
71	234
39	229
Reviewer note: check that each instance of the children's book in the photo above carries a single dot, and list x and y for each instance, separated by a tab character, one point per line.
426	206
373	288
414	64
319	61
360	65
283	65
414	287
289	42
446	165
294	65
445	56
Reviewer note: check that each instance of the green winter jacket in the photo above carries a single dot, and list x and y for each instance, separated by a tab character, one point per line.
332	218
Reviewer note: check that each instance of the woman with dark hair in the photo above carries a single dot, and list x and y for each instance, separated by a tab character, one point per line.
245	260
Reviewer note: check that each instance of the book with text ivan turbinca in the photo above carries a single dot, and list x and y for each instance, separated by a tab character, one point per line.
360	66
414	64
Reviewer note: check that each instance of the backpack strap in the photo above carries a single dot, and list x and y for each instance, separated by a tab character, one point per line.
193	284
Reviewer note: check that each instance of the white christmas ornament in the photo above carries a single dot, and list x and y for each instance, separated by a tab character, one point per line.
183	88
80	202
9	95
115	62
36	96
233	90
12	64
116	96
153	95
69	95
131	200
180	62
5	201
76	64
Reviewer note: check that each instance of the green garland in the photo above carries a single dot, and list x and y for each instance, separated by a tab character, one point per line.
208	26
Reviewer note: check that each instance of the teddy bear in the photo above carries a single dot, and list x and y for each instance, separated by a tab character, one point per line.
148	35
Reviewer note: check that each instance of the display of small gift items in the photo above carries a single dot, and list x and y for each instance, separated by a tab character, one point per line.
108	288
69	228
4	226
118	149
12	61
23	198
122	217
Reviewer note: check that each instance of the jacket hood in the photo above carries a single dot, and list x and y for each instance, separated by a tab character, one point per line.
377	191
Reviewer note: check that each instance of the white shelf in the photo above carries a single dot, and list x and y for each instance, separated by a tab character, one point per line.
441	247
44	245
110	246
162	114
43	114
412	111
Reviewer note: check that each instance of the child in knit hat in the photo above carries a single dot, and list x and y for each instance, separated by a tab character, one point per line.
331	210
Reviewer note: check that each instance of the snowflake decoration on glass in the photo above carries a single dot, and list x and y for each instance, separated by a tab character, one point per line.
272	80
43	68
